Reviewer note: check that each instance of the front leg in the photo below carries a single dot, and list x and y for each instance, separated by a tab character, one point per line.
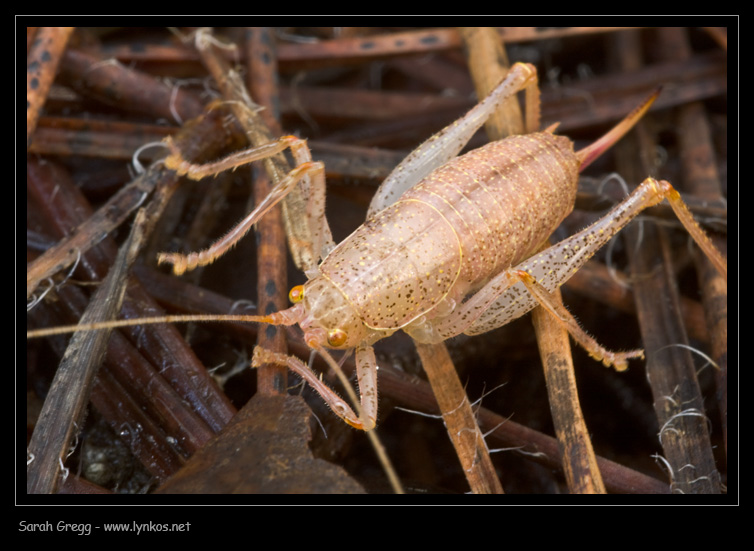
366	372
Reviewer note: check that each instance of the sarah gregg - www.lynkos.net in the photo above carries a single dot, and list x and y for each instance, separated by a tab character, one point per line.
84	529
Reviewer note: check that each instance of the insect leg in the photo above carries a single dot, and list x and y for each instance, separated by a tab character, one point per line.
545	298
366	369
555	265
182	167
510	295
182	262
366	374
446	144
313	189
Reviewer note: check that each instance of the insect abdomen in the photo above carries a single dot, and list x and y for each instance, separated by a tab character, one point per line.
503	199
466	221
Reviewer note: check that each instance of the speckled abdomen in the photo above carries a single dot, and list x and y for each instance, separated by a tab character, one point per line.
468	220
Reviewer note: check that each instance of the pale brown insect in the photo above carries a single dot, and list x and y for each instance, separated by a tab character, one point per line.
447	247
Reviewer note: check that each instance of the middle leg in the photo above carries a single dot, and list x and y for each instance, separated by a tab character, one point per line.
308	173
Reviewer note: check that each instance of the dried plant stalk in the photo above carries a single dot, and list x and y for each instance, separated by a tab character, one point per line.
683	431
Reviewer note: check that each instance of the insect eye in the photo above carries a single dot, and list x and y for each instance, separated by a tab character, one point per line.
337	337
296	294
